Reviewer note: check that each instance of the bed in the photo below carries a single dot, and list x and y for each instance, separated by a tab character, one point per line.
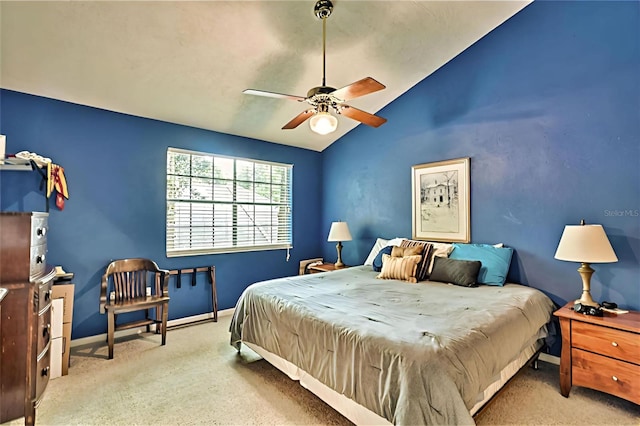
389	351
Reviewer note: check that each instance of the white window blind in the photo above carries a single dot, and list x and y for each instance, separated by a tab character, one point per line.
219	204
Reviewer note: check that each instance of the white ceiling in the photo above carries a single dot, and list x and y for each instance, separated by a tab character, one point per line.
188	62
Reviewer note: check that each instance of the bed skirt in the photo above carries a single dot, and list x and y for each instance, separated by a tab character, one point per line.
361	415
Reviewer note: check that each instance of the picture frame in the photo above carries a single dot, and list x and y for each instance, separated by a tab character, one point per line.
440	194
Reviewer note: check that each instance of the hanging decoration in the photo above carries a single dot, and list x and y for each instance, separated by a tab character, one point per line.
56	180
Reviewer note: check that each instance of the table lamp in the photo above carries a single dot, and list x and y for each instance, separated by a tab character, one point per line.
585	244
339	232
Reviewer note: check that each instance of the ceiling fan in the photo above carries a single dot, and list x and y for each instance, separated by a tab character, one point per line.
324	98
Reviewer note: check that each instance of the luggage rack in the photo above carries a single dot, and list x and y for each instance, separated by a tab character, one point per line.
212	280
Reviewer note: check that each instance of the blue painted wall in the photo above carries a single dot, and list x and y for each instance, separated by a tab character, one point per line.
547	106
116	168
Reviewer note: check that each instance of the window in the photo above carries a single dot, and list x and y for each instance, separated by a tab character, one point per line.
218	204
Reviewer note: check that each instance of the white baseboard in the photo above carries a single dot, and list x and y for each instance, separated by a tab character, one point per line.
102	338
551	359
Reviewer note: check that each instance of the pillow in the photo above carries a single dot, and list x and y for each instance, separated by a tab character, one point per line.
458	272
440	250
495	261
422	273
406	251
399	268
379	244
377	262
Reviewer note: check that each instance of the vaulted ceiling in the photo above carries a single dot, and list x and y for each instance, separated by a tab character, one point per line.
188	62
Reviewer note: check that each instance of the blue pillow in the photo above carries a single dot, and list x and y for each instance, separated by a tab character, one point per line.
377	262
495	261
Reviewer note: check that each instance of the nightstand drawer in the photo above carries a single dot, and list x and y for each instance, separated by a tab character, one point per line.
606	374
607	341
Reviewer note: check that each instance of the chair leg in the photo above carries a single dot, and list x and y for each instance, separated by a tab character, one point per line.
157	315
110	332
165	315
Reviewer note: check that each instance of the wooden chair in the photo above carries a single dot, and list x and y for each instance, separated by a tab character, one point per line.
124	289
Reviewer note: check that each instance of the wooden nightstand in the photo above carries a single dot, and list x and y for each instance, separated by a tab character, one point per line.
601	353
324	267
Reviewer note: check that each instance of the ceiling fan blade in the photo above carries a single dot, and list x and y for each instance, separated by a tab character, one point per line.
298	119
359	88
362	116
273	95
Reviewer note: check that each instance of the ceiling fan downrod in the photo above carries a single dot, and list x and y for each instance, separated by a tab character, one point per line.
322	10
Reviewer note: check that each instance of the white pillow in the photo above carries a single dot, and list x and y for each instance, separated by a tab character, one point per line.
379	245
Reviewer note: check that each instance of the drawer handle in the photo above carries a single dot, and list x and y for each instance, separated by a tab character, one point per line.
40	259
41	232
46	330
614	344
47	295
615	379
45	371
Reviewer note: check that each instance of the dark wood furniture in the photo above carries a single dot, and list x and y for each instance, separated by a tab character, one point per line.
26	314
130	285
324	267
3	293
601	353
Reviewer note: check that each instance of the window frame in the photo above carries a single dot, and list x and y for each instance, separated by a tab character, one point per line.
238	183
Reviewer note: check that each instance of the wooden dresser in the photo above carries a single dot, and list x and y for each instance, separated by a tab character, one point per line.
26	314
601	353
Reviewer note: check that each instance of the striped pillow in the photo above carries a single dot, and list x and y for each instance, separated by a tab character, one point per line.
438	250
422	272
399	268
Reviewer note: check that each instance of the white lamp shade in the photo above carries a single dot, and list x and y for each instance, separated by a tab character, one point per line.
585	244
323	123
339	232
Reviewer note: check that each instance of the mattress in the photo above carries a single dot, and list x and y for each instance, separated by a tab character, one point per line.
410	353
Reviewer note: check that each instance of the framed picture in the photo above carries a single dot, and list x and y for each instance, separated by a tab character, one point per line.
440	200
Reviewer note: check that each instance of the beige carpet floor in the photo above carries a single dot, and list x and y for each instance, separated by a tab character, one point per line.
198	379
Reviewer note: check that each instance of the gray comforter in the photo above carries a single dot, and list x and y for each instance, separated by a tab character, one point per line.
412	353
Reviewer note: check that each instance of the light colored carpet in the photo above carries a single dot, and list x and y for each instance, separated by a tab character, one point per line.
198	379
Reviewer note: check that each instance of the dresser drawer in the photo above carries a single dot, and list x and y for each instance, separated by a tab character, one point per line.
39	229
44	330
37	260
43	295
606	374
607	341
42	373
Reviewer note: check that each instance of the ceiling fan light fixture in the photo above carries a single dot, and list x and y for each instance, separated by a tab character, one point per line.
323	122
323	98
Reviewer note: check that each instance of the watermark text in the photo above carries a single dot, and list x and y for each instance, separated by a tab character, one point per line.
622	213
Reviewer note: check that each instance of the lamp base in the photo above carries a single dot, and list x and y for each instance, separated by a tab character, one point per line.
339	263
587	302
585	272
